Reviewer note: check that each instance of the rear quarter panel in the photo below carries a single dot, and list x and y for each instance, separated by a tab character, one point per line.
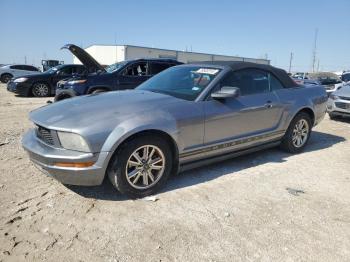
298	98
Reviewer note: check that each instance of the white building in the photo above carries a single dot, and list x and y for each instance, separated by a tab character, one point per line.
109	54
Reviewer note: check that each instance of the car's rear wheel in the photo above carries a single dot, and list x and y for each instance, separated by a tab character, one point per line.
40	90
298	133
141	166
6	77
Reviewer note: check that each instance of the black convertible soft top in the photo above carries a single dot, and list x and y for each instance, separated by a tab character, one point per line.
238	65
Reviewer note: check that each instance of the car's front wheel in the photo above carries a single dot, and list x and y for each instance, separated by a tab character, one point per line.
141	166
298	133
40	90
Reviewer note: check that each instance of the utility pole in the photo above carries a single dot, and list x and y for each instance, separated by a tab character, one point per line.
290	62
25	60
314	51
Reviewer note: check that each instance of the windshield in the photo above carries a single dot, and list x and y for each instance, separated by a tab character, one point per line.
114	67
185	82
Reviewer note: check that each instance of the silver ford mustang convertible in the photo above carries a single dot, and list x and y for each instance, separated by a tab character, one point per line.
186	116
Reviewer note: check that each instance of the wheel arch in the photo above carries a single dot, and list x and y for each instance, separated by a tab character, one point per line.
6	73
154	132
93	88
308	111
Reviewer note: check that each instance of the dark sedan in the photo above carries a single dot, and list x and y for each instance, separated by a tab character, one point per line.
44	84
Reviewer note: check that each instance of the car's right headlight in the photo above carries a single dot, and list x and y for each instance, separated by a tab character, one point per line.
20	80
73	141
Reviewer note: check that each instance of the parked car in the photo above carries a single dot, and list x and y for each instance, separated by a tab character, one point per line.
345	77
339	103
43	84
184	117
123	75
9	71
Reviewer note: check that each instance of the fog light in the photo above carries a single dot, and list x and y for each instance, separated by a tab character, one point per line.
77	165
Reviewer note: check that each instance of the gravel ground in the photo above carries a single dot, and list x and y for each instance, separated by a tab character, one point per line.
267	206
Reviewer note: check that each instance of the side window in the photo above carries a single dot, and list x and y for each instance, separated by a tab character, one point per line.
275	84
137	69
30	68
66	71
16	67
157	67
79	70
249	81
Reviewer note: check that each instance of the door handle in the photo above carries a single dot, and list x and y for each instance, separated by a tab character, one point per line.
268	104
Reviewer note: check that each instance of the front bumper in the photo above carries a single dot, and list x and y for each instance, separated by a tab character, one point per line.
338	107
22	89
46	156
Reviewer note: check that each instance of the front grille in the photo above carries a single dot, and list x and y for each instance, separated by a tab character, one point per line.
344	98
45	135
342	105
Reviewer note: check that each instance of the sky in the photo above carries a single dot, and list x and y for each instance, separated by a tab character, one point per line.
36	30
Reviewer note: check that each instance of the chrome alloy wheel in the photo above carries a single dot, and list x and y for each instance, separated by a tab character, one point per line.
41	90
145	167
300	133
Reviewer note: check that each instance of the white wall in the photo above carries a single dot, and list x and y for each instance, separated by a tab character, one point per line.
107	55
133	52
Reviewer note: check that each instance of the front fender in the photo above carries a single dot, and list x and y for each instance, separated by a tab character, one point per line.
160	121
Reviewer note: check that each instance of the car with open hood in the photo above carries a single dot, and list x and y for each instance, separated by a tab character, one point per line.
186	116
119	76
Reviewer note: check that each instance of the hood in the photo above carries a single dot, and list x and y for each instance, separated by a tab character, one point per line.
343	91
86	59
32	76
103	111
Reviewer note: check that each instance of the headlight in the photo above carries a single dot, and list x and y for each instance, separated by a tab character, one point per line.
73	141
73	82
334	97
20	80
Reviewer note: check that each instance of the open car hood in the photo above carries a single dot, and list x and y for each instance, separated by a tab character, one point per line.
87	60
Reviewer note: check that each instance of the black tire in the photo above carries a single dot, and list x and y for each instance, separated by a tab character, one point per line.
40	90
332	116
5	78
287	141
62	97
117	170
98	91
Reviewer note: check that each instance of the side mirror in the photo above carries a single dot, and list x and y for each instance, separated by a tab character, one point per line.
226	92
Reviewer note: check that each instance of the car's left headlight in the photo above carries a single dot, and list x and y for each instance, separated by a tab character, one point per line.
73	141
20	80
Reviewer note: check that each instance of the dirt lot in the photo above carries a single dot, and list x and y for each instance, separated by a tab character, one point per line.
261	207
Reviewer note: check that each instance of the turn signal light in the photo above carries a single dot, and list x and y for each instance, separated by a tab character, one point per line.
77	165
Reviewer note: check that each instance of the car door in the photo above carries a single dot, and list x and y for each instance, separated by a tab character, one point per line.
255	112
133	75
